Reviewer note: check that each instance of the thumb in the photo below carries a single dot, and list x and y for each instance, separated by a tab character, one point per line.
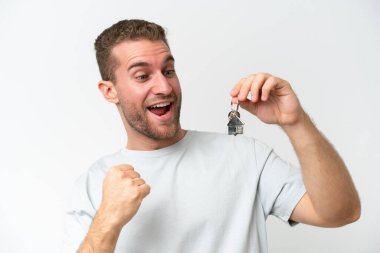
249	106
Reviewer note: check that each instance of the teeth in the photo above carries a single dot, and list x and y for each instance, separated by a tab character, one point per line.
160	105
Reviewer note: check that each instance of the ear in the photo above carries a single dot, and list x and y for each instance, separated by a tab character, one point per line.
108	90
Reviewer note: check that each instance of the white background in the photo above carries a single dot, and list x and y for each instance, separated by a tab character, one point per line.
55	123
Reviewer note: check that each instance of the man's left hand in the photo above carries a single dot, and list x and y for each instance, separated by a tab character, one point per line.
273	100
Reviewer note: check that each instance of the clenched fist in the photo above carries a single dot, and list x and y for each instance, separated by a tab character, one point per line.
123	192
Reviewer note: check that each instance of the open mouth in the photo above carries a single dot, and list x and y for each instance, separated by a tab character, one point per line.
160	109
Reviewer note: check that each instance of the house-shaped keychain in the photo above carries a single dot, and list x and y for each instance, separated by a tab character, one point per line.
235	125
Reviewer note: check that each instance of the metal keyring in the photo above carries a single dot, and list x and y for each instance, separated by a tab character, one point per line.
233	111
232	106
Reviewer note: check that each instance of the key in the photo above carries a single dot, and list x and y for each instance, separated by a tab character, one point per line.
235	125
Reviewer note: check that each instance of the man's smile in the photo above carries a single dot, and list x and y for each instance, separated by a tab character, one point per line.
162	110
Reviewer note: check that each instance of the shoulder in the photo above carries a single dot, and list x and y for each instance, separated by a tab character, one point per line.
87	188
104	163
97	170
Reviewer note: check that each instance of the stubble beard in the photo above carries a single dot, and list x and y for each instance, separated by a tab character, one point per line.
138	120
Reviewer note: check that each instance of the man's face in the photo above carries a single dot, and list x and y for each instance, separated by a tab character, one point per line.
148	88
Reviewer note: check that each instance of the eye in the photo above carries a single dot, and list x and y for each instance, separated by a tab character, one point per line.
169	73
142	77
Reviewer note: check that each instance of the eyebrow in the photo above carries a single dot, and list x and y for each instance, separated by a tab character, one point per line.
145	64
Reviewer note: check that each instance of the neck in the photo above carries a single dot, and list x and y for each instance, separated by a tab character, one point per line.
137	141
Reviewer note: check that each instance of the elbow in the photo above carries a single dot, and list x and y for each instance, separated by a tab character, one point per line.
355	216
350	215
355	212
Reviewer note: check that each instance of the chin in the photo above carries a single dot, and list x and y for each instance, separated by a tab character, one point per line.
165	132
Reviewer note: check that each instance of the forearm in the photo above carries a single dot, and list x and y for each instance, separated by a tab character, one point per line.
101	237
325	175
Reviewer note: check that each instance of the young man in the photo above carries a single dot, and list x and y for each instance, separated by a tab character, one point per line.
172	190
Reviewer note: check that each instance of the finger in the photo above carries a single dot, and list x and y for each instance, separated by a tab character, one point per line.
249	106
235	91
138	181
268	86
258	82
131	174
245	88
123	167
144	189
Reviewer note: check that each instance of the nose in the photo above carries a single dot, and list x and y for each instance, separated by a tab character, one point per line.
161	85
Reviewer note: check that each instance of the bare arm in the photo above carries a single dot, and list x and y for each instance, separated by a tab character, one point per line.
101	237
331	199
123	193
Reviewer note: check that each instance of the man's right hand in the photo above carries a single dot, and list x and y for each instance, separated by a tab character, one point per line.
123	192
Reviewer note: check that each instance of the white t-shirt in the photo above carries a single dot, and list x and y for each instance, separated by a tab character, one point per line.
209	193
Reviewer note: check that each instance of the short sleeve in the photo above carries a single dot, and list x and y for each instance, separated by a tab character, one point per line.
78	216
280	185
